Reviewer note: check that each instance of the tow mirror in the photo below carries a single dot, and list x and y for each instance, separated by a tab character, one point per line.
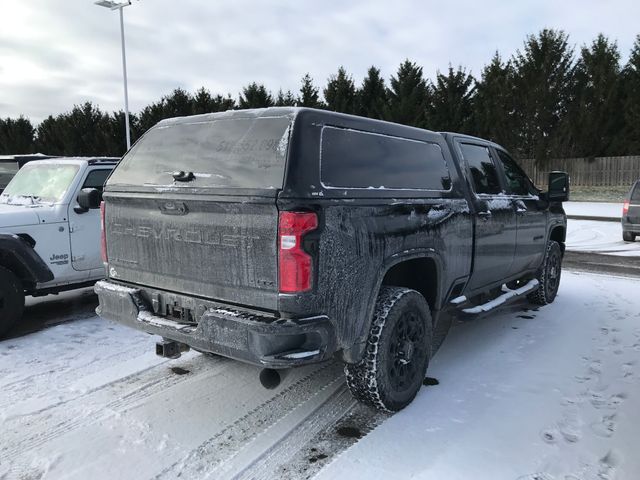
88	199
558	187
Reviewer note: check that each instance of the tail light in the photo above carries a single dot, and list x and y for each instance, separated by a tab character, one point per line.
625	207
103	236
295	265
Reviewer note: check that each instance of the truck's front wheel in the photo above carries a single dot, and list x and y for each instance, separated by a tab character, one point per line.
548	276
397	352
11	300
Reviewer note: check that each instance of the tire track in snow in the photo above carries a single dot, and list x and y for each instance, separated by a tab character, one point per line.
331	442
90	408
245	442
30	386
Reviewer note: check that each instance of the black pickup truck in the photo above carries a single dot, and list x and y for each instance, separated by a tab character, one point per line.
288	236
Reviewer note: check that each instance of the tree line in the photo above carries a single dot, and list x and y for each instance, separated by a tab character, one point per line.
545	101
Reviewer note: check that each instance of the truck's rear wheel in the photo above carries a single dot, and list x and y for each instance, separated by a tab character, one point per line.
11	300
548	276
628	236
397	352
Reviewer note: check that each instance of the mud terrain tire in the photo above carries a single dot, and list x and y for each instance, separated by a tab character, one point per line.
548	276
397	352
11	300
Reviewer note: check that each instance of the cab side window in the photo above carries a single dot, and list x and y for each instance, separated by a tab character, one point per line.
517	181
96	179
482	169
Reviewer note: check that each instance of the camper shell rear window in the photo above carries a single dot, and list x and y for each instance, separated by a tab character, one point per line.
231	152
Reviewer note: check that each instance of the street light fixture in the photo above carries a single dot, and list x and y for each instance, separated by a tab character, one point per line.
119	6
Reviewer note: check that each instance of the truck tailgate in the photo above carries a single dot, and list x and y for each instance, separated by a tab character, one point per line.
212	246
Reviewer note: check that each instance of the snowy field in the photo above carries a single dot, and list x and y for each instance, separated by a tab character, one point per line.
549	394
593	209
599	237
523	394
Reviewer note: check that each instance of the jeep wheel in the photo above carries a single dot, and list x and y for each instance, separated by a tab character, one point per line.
11	300
548	276
628	236
397	352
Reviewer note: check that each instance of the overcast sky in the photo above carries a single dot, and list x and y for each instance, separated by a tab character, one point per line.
56	53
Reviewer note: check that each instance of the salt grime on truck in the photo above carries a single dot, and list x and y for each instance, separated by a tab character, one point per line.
288	236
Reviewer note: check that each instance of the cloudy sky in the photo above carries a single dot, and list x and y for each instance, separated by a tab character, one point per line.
56	53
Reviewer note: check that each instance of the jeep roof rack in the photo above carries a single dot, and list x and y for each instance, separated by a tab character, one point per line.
103	160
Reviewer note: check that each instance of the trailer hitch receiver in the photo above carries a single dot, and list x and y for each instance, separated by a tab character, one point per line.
170	348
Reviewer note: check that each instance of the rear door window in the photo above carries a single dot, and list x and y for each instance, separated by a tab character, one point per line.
364	160
484	175
635	195
231	152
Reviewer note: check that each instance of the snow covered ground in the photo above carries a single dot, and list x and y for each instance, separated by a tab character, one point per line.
548	394
553	391
599	237
593	209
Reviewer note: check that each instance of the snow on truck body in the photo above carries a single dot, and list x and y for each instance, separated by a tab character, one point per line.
270	235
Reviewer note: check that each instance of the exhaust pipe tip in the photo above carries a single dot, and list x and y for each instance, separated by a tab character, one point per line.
270	378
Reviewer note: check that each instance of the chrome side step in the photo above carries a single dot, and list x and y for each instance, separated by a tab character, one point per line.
509	294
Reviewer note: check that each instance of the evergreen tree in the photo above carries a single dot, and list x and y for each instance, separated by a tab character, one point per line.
50	136
116	135
631	79
204	102
178	103
285	99
451	106
372	96
408	96
594	120
83	131
16	136
255	96
544	78
86	128
309	94
340	92
493	116
150	115
222	104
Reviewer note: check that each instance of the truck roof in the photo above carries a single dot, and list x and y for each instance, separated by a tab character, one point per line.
471	137
286	111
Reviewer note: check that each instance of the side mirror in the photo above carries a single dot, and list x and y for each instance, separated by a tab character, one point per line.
558	187
88	199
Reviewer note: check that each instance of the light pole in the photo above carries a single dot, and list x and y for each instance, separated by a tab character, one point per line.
119	6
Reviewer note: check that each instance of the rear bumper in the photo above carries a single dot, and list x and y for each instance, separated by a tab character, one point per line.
231	332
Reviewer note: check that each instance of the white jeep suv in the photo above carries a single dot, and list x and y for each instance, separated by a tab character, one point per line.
50	230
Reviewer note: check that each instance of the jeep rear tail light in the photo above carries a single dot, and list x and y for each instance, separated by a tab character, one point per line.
625	207
295	265
103	236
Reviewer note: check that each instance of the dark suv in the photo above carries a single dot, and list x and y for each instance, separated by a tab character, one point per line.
631	214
